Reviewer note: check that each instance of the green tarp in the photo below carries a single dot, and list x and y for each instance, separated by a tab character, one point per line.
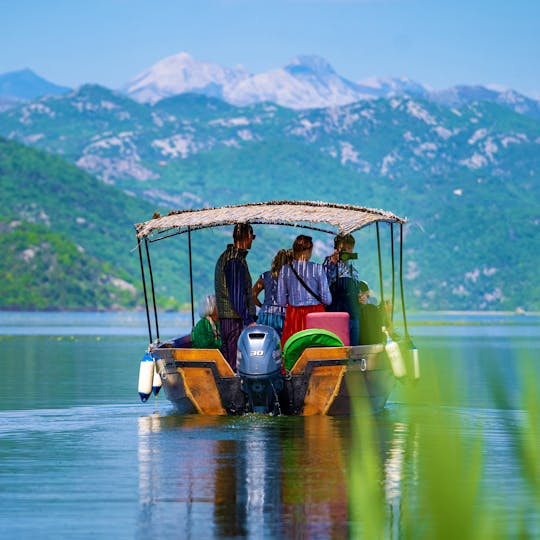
313	337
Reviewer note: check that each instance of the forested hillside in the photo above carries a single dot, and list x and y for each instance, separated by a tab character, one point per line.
466	177
66	238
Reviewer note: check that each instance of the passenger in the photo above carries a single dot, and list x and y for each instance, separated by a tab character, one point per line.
365	294
302	288
344	282
271	313
233	285
206	333
373	317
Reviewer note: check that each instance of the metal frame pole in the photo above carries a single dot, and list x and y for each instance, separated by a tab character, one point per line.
145	293
152	286
393	272
380	263
401	281
191	277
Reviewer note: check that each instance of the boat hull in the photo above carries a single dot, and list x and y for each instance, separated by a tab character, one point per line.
324	381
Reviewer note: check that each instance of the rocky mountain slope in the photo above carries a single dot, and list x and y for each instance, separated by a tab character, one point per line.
466	175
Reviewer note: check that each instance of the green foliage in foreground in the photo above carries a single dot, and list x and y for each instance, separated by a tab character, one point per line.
445	498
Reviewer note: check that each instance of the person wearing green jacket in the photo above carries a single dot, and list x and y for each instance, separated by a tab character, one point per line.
206	333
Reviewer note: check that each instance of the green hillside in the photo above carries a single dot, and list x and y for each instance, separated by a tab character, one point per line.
44	270
472	241
467	178
67	239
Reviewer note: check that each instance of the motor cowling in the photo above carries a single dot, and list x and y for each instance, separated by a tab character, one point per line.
259	368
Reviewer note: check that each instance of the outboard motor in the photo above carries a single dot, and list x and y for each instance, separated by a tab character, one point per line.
259	368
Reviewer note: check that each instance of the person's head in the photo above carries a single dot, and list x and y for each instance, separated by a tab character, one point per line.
364	292
302	247
283	256
344	242
208	306
243	235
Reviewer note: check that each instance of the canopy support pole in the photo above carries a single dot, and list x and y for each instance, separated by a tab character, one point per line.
145	293
380	263
393	272
152	286
191	278
401	281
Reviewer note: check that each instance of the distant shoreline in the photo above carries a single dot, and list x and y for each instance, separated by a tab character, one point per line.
187	312
467	318
136	318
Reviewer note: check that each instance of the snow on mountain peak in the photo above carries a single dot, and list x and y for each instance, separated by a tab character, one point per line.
311	62
392	86
181	73
307	81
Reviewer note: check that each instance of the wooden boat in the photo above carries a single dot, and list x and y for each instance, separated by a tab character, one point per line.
323	380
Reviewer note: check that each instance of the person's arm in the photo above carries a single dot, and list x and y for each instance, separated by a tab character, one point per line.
257	288
235	280
330	267
326	296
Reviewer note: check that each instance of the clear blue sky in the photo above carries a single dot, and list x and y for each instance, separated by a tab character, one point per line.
436	42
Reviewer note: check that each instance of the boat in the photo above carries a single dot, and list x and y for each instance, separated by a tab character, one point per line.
320	375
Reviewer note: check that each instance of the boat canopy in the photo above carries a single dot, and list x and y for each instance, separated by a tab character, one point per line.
343	219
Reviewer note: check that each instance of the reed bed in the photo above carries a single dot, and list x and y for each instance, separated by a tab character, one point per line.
442	494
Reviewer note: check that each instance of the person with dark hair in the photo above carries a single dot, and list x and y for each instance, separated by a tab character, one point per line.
373	316
371	321
302	288
233	286
344	283
271	313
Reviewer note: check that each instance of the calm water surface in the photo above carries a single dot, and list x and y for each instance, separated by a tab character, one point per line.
80	457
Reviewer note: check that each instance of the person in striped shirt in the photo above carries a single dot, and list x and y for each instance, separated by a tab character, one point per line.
302	288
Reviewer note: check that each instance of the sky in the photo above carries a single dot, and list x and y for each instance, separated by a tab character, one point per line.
439	43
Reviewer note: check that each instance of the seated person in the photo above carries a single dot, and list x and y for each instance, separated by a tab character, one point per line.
371	322
206	333
366	296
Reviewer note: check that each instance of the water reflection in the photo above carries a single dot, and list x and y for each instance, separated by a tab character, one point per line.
259	477
70	423
254	476
249	476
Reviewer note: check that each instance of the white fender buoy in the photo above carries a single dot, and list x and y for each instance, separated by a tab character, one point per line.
415	363
394	355
157	382
146	376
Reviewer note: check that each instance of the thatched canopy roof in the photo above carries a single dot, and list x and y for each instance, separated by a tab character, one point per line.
341	218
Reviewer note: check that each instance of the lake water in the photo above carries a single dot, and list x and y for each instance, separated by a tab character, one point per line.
81	457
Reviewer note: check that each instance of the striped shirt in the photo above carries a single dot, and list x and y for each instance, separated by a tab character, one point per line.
292	292
270	304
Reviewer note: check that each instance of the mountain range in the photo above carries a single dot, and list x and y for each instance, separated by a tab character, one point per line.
24	85
464	168
307	82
